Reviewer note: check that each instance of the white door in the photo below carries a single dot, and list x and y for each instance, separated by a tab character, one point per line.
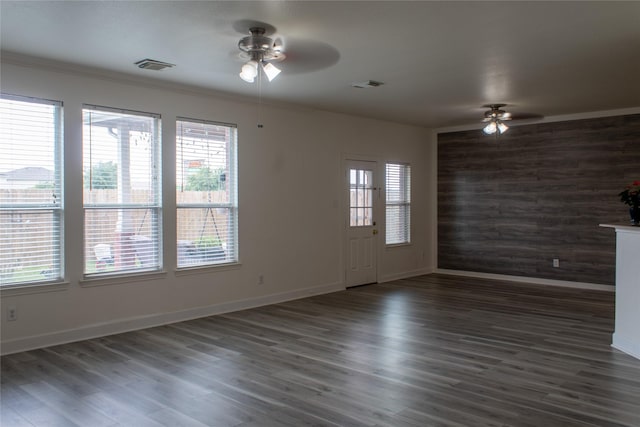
362	233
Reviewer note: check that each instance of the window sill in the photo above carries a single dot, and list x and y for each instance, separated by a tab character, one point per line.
33	288
204	269
122	279
398	245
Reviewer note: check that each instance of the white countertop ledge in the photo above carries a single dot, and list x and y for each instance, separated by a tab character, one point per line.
623	227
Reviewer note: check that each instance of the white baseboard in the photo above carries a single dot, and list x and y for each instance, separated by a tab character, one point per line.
626	345
148	321
406	274
533	280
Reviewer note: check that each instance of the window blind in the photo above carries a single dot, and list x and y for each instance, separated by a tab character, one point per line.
122	191
31	201
398	203
206	193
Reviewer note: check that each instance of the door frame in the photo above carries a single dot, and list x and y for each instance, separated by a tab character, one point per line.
378	211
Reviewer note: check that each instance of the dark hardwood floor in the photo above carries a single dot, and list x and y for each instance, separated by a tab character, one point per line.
429	351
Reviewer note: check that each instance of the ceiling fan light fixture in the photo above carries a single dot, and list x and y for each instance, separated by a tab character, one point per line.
246	78
249	71
490	128
502	127
270	70
260	49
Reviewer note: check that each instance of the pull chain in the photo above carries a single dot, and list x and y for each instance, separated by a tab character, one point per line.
260	125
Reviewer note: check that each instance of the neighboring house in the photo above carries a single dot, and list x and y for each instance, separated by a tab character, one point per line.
26	177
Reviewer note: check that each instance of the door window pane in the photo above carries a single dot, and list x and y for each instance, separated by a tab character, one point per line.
360	197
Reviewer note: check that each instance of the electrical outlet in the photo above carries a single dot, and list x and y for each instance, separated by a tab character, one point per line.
556	262
261	280
12	314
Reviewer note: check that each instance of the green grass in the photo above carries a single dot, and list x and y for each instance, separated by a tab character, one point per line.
25	275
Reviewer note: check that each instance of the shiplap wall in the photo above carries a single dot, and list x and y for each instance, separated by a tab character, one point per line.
512	204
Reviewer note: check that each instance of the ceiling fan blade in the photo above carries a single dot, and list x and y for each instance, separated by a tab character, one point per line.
496	112
304	56
526	116
278	45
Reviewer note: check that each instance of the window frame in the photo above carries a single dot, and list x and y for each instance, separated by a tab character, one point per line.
57	205
154	207
230	251
403	201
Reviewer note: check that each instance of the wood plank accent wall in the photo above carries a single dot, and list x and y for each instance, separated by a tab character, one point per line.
511	205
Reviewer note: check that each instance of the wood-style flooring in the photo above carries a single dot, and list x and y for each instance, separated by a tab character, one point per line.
429	351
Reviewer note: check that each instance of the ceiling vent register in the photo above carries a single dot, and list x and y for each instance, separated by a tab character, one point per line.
367	84
153	65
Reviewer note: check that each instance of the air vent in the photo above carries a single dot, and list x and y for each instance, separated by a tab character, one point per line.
152	64
368	83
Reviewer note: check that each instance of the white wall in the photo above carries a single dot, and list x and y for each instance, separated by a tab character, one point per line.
291	212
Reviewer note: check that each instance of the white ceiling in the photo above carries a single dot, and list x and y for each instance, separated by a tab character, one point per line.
440	61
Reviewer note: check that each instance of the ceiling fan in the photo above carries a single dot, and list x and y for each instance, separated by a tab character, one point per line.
495	117
261	51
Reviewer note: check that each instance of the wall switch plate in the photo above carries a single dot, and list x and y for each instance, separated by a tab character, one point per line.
556	262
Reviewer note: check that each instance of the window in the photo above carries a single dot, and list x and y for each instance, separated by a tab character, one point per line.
398	203
122	185
206	193
31	203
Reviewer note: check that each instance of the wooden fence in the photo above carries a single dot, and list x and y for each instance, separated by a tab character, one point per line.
21	232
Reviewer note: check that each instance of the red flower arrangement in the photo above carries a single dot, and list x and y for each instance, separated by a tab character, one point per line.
631	195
